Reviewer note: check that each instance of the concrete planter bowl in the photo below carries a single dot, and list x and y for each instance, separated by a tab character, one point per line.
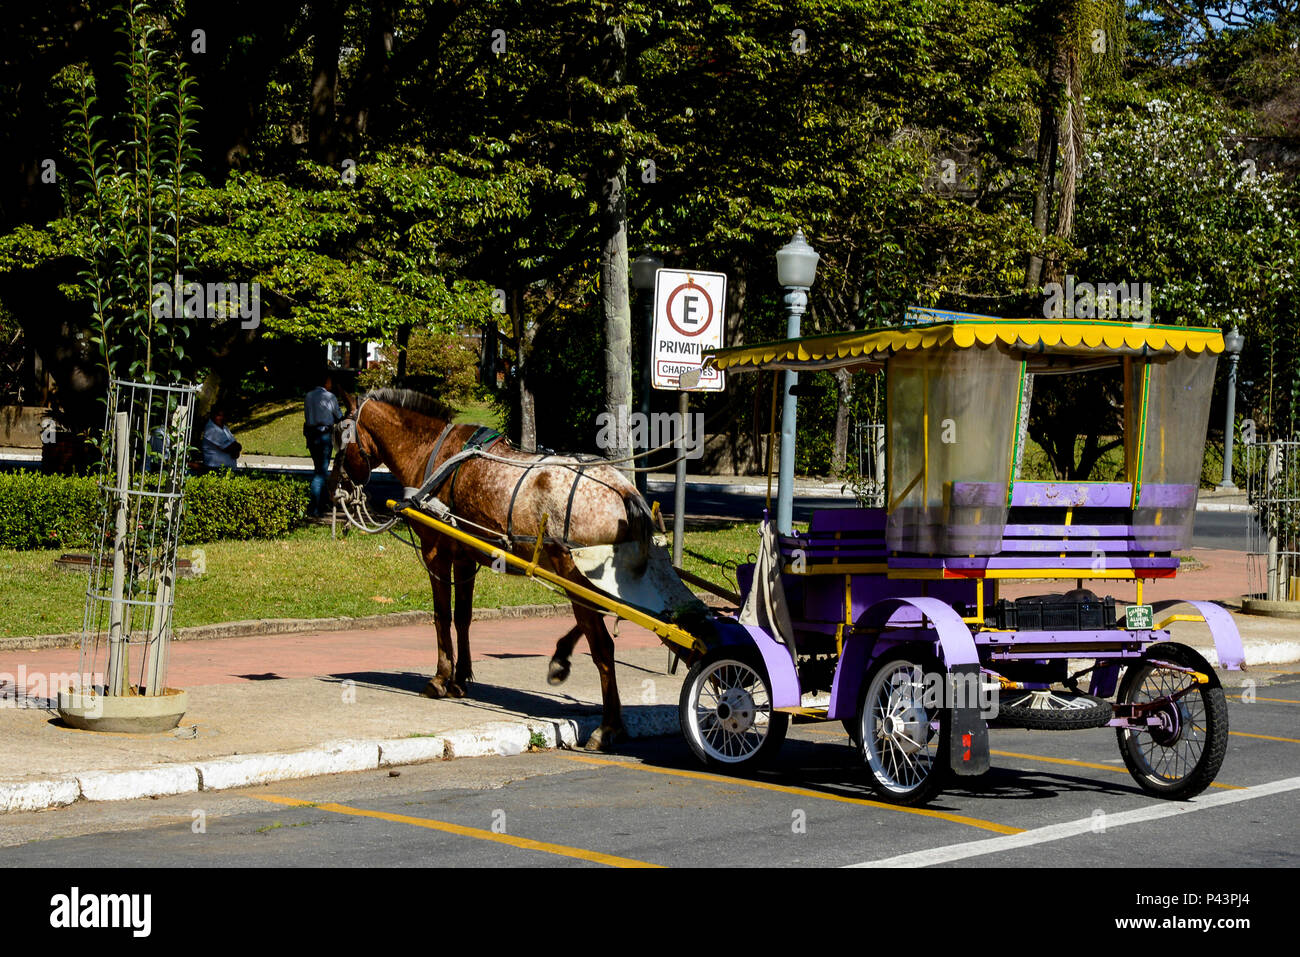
133	714
1272	609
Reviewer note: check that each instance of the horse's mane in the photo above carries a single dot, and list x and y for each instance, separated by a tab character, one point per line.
414	401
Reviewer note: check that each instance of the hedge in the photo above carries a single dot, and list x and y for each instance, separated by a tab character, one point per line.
62	511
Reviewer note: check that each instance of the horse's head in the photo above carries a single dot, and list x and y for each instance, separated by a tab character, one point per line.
357	452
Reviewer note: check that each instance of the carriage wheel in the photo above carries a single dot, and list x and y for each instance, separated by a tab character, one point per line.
726	711
1180	758
902	737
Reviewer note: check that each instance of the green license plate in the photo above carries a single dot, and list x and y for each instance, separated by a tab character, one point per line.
1138	617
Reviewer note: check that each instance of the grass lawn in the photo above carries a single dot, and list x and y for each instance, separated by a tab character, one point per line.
272	428
306	575
275	427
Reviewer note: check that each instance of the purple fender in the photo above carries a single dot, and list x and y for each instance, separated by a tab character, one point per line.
781	674
954	639
1227	640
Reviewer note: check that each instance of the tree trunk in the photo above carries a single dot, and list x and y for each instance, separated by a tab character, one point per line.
1070	141
844	392
1043	175
327	26
523	345
403	339
615	303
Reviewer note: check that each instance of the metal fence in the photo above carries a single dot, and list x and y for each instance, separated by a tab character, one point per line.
870	484
1273	488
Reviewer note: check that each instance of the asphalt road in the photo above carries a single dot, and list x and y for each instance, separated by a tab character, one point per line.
650	803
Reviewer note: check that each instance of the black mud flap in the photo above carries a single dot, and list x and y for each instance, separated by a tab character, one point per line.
968	741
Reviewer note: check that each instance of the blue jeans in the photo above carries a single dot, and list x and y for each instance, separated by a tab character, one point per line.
320	447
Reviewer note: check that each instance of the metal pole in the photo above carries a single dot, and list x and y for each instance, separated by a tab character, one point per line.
1229	422
796	301
679	491
115	677
648	324
1274	466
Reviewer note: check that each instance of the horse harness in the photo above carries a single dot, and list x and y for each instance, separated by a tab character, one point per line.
480	443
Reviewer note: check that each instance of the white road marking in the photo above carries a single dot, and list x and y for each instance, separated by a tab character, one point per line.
1057	832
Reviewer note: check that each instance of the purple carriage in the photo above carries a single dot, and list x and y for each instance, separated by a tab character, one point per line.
889	619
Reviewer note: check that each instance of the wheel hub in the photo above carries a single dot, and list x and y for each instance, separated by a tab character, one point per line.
1172	715
735	711
906	728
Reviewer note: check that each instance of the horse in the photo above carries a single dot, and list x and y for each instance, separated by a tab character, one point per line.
506	496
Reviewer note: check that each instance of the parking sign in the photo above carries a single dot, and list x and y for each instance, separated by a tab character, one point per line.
689	311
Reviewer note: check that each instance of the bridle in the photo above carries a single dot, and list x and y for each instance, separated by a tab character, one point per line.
348	494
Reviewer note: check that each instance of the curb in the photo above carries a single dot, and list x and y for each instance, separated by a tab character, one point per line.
246	770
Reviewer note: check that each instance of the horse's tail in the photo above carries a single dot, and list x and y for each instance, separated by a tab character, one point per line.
640	520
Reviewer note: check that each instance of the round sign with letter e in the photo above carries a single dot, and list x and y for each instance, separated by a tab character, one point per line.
689	316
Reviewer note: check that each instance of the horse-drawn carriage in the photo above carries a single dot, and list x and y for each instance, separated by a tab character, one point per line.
889	619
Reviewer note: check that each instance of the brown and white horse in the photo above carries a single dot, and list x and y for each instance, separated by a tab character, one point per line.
584	503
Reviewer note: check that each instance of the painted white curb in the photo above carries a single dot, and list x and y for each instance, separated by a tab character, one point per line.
411	750
38	795
1261	652
246	769
123	785
219	774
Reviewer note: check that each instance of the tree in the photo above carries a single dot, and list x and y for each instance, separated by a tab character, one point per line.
1080	40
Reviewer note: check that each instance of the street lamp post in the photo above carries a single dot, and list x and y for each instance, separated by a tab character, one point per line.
643	271
1233	343
796	269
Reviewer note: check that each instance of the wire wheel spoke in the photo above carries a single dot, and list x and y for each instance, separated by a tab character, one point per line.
898	737
1176	759
731	716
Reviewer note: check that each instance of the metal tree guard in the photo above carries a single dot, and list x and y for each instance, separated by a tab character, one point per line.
131	590
1273	488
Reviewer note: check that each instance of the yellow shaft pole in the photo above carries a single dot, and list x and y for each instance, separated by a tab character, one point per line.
661	628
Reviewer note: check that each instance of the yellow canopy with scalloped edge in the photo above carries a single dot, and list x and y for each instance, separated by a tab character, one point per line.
1079	339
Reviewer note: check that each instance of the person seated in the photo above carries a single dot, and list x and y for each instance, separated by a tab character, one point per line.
220	450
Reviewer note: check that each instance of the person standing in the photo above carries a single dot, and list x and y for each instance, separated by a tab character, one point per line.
322	413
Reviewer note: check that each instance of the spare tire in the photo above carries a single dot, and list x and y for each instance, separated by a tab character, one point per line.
1052	710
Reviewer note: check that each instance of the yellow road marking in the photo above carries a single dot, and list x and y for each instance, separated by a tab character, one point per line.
1276	700
522	842
799	792
1266	737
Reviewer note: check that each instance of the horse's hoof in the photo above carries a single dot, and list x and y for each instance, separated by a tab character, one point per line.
557	672
434	689
604	738
456	689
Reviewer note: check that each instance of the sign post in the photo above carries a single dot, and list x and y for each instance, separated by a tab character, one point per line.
688	318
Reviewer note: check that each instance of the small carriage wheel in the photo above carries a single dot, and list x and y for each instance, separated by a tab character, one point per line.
1180	758
726	710
905	752
1050	710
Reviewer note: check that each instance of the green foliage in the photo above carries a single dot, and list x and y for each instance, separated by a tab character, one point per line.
221	507
55	511
441	364
127	201
1171	198
47	511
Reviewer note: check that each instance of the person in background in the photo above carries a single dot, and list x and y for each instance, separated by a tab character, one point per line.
322	413
220	450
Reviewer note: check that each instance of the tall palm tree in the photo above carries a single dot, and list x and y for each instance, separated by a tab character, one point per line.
1080	44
